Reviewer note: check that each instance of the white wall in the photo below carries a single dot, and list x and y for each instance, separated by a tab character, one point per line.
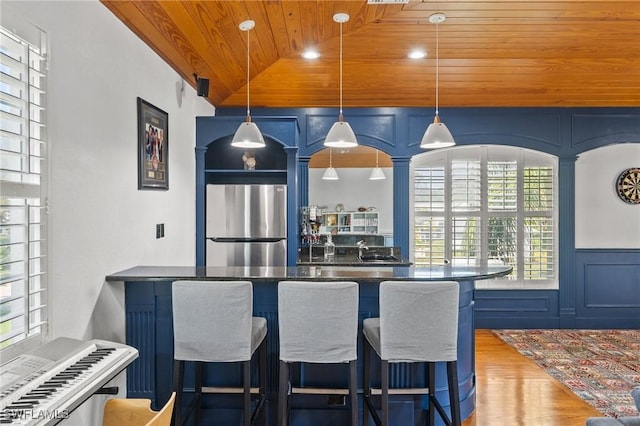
100	223
602	219
354	189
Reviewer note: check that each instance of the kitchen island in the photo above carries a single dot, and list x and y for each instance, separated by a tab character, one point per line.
148	321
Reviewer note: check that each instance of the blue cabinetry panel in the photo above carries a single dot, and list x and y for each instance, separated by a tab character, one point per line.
149	328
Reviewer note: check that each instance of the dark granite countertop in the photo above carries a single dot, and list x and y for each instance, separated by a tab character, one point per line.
313	273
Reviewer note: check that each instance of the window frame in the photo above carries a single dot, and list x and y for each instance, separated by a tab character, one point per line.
28	183
484	154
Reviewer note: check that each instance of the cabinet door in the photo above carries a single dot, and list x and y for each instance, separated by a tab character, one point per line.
371	222
357	222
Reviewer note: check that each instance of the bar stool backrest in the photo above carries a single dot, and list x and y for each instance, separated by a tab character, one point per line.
418	321
212	320
318	321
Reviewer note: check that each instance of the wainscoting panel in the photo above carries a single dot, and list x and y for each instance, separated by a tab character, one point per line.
516	309
608	288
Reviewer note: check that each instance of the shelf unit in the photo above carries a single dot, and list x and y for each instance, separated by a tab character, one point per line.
245	176
351	222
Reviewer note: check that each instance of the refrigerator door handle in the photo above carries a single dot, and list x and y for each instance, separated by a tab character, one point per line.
245	240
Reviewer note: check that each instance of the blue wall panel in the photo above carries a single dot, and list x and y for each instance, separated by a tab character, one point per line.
593	130
607	285
608	294
516	309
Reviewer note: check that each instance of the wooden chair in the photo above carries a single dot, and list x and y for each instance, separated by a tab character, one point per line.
136	412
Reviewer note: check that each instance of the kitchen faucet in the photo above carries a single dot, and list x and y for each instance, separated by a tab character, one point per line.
361	246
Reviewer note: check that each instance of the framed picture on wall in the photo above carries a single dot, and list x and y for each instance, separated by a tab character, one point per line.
153	147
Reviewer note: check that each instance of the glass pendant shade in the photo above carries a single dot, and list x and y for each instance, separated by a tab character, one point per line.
437	136
377	174
341	136
330	174
248	136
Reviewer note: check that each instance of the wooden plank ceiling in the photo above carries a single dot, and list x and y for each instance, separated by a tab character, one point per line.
554	53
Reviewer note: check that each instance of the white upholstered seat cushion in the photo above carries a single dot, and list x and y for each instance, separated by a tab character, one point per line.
212	321
418	321
318	321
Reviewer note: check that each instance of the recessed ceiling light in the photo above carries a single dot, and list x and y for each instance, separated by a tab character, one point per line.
310	54
417	54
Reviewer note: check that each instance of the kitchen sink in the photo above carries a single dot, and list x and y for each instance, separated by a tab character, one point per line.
378	258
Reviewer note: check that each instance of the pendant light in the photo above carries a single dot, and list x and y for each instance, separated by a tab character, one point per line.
330	173
341	135
437	134
248	135
377	173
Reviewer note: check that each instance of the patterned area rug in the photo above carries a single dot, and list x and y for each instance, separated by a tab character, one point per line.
600	366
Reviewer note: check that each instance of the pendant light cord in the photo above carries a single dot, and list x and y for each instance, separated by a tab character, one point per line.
248	76
437	65
341	71
330	158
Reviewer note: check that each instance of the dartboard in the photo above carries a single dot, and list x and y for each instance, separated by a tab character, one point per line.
628	186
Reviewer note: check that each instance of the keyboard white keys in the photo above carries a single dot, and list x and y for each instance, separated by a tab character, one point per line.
43	388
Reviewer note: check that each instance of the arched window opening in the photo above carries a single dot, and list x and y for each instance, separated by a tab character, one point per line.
483	205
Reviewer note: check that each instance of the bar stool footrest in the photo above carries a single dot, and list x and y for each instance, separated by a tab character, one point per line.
319	391
229	390
402	391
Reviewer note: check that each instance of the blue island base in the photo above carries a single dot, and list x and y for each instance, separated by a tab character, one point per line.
149	328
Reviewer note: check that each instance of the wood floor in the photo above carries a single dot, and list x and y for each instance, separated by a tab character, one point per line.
511	390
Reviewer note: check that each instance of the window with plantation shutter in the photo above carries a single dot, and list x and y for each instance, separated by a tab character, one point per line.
483	205
23	230
429	208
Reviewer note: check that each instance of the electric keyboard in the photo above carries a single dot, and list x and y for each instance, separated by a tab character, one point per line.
44	386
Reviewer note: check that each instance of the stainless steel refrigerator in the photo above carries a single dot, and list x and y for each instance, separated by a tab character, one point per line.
246	225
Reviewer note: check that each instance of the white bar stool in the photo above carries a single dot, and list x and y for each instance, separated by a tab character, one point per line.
213	322
318	323
418	323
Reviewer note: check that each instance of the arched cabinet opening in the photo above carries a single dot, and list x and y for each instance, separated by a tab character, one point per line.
225	164
345	201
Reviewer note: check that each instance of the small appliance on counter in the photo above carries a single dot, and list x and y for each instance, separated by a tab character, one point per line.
246	225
